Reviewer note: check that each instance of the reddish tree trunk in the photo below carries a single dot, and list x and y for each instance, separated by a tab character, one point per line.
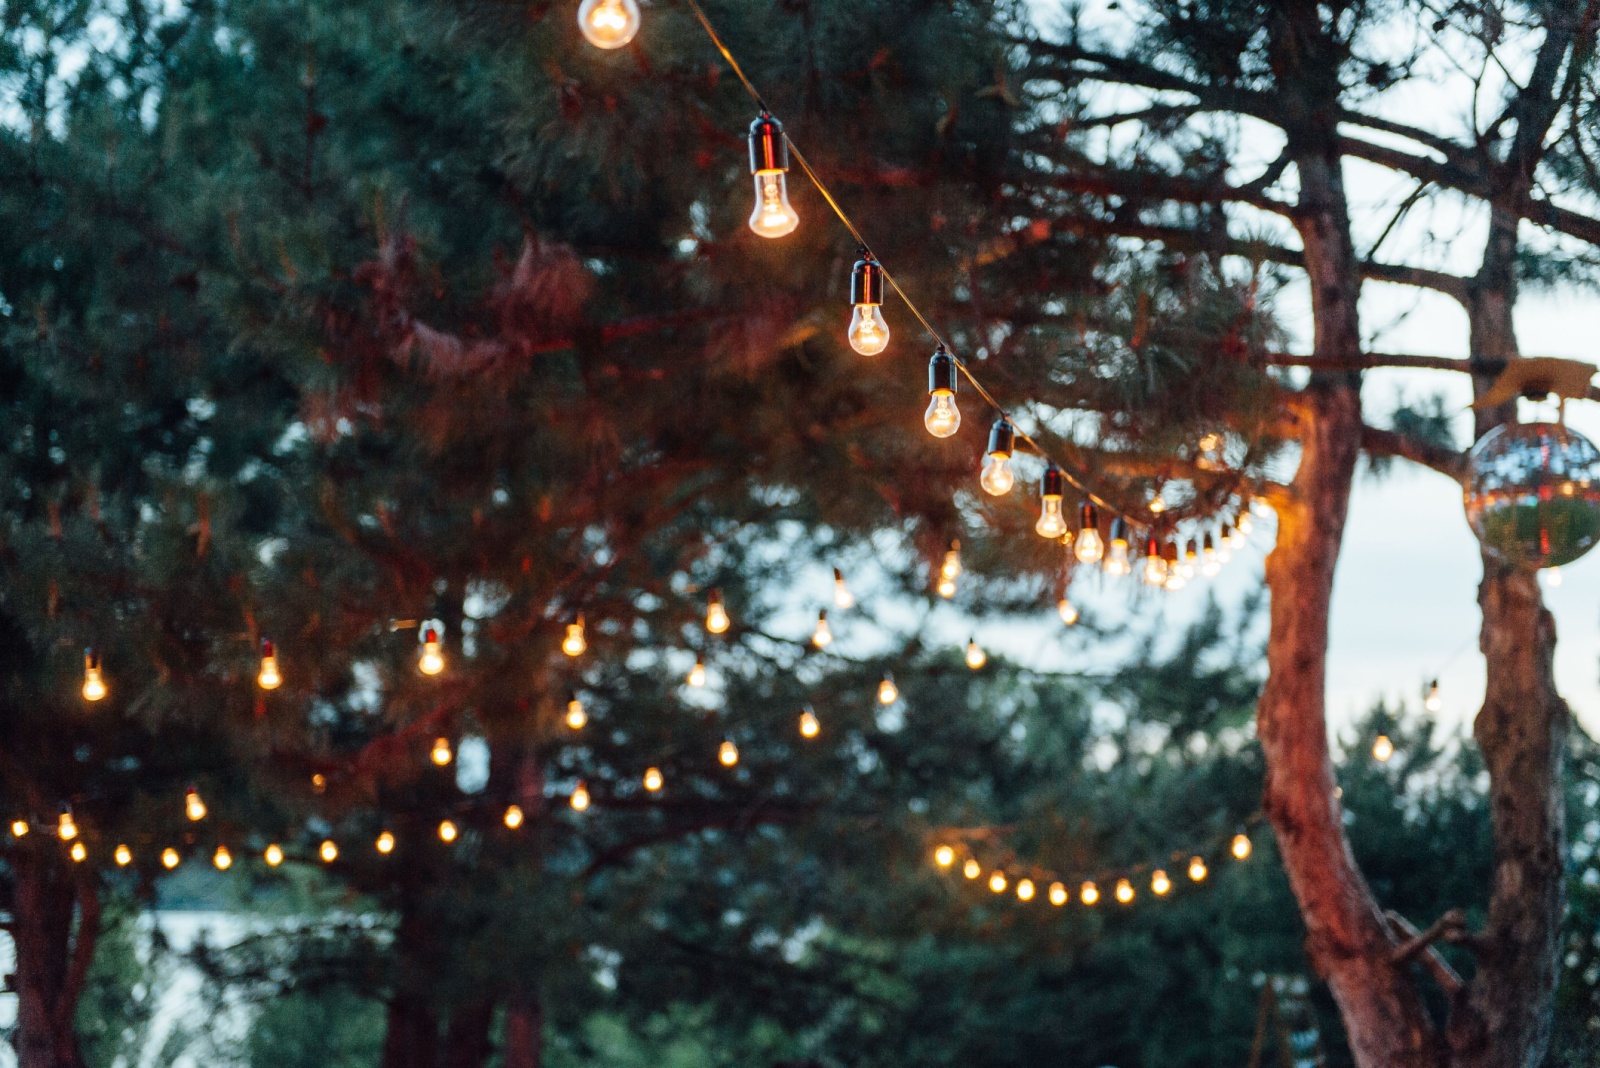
51	964
467	1042
524	1045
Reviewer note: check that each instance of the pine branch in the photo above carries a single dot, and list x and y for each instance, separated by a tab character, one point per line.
1390	443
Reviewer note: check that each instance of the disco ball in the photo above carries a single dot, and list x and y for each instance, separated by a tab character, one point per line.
1533	494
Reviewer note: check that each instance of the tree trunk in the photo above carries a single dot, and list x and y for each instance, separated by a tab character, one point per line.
411	1028
467	1042
50	965
524	1045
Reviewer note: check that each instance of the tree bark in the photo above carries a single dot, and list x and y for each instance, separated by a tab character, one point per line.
467	1042
48	970
411	1028
524	1044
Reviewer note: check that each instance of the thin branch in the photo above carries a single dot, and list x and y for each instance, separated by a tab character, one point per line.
1447	462
1447	977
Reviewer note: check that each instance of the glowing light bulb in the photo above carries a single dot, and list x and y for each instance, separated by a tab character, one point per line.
222	858
888	692
1383	749
575	644
822	637
946	588
1434	701
769	163
1058	894
951	568
1235	536
1052	524
269	678
441	754
697	674
448	831
513	817
19	828
1245	525
273	855
971	869
1155	565
727	754
66	827
997	477
328	851
609	23
1067	611
1116	558
431	662
319	783
652	779
1241	847
193	806
123	856
79	852
1025	889
169	858
810	726
1552	577
1191	557
1125	892
1090	894
1158	503
1210	565
942	418
1160	884
997	882
1091	547
1197	870
717	621
976	657
869	334
94	683
843	599
1261	508
944	856
580	798
576	716
384	843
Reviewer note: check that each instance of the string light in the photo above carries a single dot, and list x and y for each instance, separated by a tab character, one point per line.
1197	870
169	858
193	806
997	477
697	674
947	587
269	678
1382	749
513	817
1552	577
441	754
1176	579
1051	524
888	692
1067	611
822	637
384	843
66	826
976	657
1191	556
1244	525
575	644
1090	548
273	855
1125	892
944	856
1155	564
727	754
123	856
1090	894
869	334
843	599
950	570
1234	537
1434	701
1210	565
328	851
1058	894
810	726
717	621
19	828
431	662
1117	554
997	882
580	797
319	783
942	418
1158	503
94	683
222	858
769	162
1159	883
971	869
652	779
1025	890
1241	847
576	716
609	24
448	831
79	852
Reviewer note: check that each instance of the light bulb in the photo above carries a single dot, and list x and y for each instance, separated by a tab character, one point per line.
1159	883
328	851
1124	891
1067	611
513	817
888	692
1552	577
946	588
716	614
727	754
1234	536
1175	577
385	843
1090	894
1434	701
1197	870
1091	547
1241	847
997	882
997	477
1058	894
1261	508
431	662
652	779
169	858
869	332
1025	889
971	869
609	23
67	827
1158	503
269	678
1116	560
575	644
842	597
441	754
222	858
942	418
810	726
576	716
976	657
1051	523
1382	749
19	828
774	217
1245	525
94	683
951	568
1210	565
1155	565
1191	557
697	674
123	856
448	831
273	855
79	852
193	806
822	637
580	797
944	856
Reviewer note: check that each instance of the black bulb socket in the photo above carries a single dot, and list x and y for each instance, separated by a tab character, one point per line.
1002	438
1052	484
769	152
1088	517
866	282
1119	530
942	374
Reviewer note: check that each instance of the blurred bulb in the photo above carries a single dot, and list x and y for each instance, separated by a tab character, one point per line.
1197	870
1234	536
1058	894
1382	749
1175	578
1241	847
997	882
319	783
1158	504
67	827
448	831
944	856
971	869
810	727
273	855
431	662
942	418
576	716
328	851
385	843
822	637
1210	565
1160	884
1434	701
441	754
123	856
1091	547
19	828
727	754
976	657
1244	526
1261	508
79	852
193	807
652	779
222	858
94	683
947	588
1124	891
1052	524
716	614
1067	611
1090	894
575	644
697	674
1552	577
513	817
842	597
1025	890
269	678
951	567
1116	560
888	692
580	797
774	217
609	23
869	333
169	858
1155	570
997	477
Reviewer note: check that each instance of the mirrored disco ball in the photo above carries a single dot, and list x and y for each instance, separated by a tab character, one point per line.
1533	494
